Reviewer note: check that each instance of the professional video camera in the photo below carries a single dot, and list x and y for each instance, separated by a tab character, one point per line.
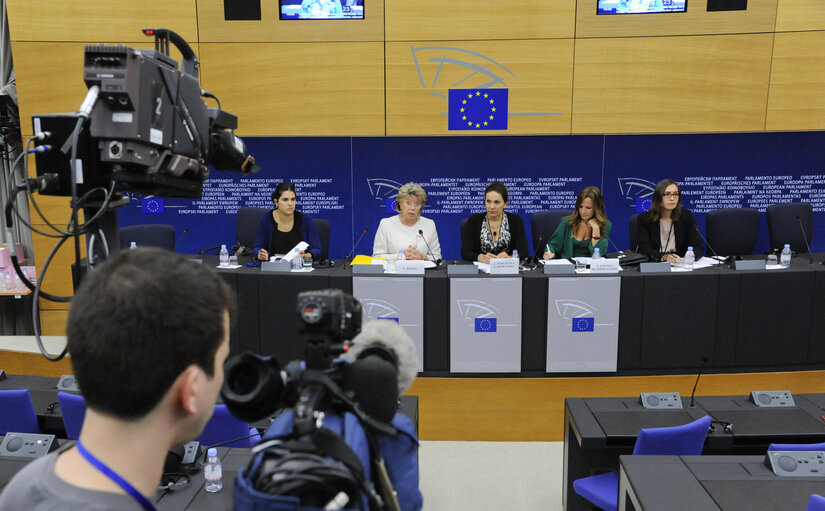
149	130
316	389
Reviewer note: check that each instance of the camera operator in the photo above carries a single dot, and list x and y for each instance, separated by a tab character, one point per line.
148	334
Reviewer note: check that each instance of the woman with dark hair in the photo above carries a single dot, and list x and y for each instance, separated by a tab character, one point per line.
283	227
494	233
581	233
666	230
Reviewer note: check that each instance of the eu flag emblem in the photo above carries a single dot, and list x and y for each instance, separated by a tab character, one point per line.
477	109
485	324
389	204
643	204
584	324
151	205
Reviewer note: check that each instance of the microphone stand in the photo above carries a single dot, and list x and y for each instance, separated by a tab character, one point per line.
715	254
693	392
349	254
805	237
437	261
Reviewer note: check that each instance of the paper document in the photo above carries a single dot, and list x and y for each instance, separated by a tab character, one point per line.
556	262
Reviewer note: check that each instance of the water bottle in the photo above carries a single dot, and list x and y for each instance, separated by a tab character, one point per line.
401	255
212	471
132	245
785	257
224	256
9	281
690	258
515	255
596	253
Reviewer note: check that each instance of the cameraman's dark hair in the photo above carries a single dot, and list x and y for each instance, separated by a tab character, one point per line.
497	186
280	189
137	322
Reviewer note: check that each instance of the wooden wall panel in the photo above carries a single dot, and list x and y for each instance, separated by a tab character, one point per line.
794	15
99	21
538	74
671	84
58	279
532	409
797	93
18	362
437	20
53	321
760	16
214	28
299	88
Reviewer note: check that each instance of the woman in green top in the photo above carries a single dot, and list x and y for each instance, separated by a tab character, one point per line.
585	230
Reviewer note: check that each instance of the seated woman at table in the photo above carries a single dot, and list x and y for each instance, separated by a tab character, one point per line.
407	232
494	233
666	230
282	228
579	234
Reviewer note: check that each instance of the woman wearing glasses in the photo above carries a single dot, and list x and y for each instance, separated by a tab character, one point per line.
407	232
666	230
494	233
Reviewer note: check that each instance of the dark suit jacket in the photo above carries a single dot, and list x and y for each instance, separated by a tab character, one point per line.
684	230
471	237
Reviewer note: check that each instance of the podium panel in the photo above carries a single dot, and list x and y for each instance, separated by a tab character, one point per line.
399	299
582	324
485	325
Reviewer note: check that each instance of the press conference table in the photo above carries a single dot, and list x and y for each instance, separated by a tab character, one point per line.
728	483
598	430
740	320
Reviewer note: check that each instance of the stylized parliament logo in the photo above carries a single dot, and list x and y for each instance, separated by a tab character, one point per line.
384	190
637	191
581	315
462	73
483	314
379	309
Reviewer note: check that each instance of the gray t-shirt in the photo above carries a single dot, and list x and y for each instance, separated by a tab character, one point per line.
38	488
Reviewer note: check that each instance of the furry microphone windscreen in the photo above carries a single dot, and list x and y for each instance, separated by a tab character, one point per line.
390	335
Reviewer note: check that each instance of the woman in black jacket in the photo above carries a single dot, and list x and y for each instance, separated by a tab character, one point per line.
667	230
494	233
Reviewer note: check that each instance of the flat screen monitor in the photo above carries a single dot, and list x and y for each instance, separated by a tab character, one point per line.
322	9
640	6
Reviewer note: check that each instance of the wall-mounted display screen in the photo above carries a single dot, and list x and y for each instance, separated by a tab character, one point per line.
640	6
322	9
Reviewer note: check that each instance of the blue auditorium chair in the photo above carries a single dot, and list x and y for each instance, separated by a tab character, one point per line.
73	409
783	226
17	412
224	426
148	235
602	490
732	231
544	224
797	447
633	228
816	503
322	226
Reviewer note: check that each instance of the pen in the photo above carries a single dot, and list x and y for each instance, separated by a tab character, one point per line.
547	247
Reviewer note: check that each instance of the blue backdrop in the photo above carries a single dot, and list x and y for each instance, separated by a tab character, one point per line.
351	181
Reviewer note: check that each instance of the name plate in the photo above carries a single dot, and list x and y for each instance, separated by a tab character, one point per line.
407	267
462	269
751	264
279	266
559	269
603	265
367	269
507	266
663	267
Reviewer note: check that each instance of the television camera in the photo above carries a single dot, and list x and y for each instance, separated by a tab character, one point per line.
256	386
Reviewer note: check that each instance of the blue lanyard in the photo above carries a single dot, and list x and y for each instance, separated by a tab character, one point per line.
111	474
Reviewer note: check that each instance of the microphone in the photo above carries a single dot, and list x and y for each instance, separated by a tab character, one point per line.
349	254
618	250
374	381
693	392
715	255
388	340
805	237
437	261
536	257
185	230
